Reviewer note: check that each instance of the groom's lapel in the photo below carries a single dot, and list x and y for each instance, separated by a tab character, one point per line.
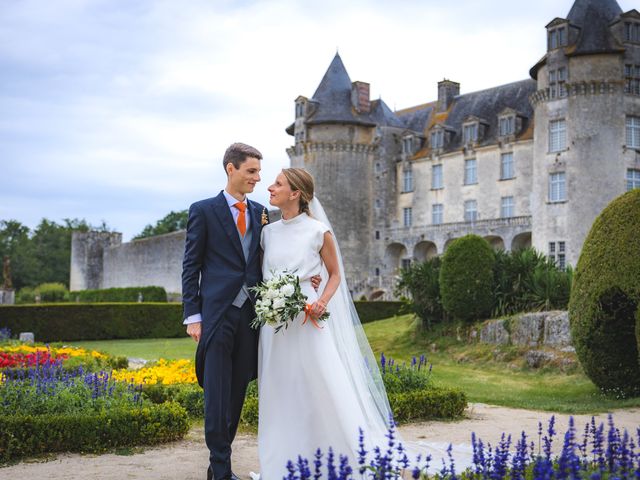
223	212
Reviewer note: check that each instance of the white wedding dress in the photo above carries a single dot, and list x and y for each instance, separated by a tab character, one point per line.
318	386
306	400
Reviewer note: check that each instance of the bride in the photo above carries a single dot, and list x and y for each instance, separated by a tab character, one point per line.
317	386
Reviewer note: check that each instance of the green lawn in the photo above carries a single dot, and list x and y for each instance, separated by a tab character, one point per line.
484	380
147	348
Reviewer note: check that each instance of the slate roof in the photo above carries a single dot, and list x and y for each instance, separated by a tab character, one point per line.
593	18
484	104
333	98
332	104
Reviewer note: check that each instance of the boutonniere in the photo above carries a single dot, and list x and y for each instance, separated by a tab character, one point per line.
264	218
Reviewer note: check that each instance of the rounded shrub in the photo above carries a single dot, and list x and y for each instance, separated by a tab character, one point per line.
605	298
466	278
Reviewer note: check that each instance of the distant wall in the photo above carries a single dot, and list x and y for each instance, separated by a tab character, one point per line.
87	252
148	261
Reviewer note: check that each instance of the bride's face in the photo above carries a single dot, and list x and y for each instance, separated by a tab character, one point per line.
280	193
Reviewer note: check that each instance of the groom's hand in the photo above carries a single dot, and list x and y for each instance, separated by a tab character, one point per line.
316	280
194	330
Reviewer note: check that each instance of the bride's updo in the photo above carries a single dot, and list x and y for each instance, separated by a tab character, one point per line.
300	180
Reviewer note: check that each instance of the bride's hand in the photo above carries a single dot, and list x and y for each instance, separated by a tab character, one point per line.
317	309
316	280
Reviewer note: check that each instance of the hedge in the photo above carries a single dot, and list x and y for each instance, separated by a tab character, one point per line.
107	321
94	321
604	309
466	278
129	294
423	404
372	311
27	435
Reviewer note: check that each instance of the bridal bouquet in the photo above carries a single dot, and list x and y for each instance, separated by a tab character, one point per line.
280	300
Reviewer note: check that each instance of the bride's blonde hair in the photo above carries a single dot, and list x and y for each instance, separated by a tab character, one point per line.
301	180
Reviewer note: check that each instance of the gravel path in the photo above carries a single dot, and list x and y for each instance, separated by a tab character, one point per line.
187	459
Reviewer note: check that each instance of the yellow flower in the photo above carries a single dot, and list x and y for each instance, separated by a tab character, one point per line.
167	373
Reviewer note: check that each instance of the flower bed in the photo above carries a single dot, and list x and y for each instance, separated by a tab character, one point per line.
48	406
597	454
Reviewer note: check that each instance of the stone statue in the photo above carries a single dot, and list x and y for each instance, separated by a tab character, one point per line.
6	274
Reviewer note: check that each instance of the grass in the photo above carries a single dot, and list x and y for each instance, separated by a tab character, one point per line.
147	348
473	367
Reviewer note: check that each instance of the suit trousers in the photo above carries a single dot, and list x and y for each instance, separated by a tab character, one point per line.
230	364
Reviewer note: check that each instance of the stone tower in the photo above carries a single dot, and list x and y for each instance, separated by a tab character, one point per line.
87	258
339	136
585	103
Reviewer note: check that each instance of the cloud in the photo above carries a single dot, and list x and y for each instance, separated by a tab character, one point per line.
120	110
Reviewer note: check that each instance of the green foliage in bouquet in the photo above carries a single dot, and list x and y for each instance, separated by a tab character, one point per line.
280	300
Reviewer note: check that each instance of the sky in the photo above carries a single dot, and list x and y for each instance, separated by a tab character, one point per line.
120	111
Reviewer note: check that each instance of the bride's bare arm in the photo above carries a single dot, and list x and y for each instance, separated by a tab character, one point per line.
330	259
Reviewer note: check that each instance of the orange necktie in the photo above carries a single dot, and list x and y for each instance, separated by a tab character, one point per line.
242	221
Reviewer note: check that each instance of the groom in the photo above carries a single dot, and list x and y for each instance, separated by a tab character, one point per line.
221	264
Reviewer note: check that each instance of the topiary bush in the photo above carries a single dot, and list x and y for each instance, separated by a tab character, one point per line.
466	278
604	306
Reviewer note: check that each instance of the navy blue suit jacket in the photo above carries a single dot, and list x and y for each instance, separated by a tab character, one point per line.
214	268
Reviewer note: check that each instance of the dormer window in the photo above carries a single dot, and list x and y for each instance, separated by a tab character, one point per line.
437	139
557	37
632	32
470	133
407	145
507	125
299	109
557	83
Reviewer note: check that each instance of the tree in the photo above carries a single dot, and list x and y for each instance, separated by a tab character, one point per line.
41	256
172	222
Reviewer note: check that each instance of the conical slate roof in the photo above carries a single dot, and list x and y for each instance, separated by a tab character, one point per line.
584	11
593	17
333	98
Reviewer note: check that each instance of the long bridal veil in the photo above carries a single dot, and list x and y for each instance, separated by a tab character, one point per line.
353	347
364	375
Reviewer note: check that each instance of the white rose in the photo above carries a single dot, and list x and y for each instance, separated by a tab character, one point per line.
279	303
287	290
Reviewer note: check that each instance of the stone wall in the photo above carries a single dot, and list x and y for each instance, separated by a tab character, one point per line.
550	329
149	261
87	258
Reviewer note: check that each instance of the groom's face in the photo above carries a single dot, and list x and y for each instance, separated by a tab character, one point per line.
244	178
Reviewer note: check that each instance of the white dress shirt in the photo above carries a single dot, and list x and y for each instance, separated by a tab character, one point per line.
235	212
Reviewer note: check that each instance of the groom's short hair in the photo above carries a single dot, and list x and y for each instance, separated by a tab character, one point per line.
237	154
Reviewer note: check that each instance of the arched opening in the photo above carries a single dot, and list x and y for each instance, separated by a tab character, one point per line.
425	251
393	255
497	243
376	294
521	241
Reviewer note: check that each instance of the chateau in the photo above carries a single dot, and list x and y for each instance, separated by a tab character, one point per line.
531	163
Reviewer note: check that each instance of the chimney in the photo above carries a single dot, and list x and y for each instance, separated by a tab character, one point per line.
447	90
360	97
